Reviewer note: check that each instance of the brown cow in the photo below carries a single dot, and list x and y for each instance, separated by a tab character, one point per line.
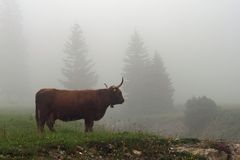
69	105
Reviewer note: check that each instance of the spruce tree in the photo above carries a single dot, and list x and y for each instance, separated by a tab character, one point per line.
160	87
77	71
147	85
135	74
14	82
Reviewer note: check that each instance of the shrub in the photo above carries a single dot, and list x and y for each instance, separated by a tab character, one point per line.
199	112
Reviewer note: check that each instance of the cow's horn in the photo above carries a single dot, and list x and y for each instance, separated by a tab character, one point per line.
105	85
120	83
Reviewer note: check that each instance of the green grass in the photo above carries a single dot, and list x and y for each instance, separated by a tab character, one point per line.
20	140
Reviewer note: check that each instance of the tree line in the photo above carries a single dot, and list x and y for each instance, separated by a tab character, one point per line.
147	84
147	87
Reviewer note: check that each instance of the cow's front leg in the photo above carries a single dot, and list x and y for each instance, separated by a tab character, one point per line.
88	125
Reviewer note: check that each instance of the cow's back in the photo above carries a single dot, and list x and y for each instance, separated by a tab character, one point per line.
68	104
74	100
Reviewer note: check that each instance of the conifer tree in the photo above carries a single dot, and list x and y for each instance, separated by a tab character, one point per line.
77	71
160	87
147	85
14	82
134	73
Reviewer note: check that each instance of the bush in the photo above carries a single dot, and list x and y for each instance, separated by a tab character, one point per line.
200	111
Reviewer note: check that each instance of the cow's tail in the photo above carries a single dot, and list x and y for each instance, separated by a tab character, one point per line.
37	116
37	112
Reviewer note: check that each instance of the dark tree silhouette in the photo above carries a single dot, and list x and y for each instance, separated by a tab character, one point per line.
14	82
159	86
135	74
147	84
77	71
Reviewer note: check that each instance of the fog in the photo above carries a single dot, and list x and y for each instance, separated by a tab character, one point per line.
197	40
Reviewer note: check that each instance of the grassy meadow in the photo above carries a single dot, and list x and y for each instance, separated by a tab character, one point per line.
19	140
140	139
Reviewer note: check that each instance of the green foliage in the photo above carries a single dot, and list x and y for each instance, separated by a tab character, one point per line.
21	141
200	111
77	71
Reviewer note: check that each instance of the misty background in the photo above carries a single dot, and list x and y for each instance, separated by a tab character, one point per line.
197	41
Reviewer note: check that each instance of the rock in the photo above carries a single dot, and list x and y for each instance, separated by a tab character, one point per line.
136	152
127	155
236	148
222	146
110	146
79	148
62	152
209	153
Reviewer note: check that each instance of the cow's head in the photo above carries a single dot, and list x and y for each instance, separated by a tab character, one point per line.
116	96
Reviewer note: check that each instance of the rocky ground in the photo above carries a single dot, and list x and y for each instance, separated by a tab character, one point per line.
212	150
138	149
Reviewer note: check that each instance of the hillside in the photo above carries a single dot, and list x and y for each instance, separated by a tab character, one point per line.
19	140
107	145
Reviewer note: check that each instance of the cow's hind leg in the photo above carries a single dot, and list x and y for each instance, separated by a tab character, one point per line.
39	119
42	120
88	125
37	116
50	122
